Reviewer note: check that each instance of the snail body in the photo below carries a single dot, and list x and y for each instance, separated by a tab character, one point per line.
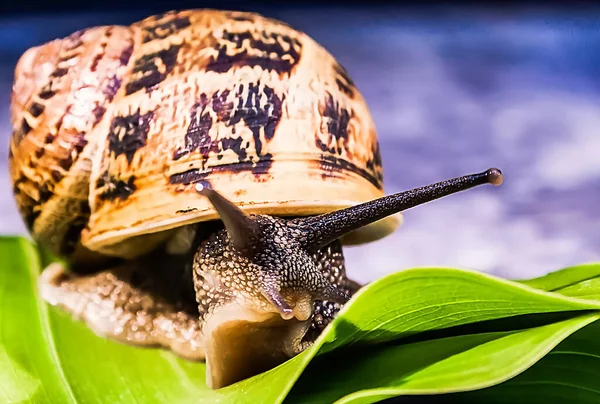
199	171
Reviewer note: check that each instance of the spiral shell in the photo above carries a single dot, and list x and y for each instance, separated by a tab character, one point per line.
113	125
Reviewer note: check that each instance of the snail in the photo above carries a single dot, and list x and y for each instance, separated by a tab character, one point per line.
198	173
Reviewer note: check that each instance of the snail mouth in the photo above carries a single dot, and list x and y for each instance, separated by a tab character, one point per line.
241	342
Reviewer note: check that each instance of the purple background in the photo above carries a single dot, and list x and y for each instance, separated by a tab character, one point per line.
451	93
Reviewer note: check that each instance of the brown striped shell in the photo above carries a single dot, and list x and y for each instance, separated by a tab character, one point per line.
113	125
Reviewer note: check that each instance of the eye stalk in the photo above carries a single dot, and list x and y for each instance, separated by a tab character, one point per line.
318	231
244	232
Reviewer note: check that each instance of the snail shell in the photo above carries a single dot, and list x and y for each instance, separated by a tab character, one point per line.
114	125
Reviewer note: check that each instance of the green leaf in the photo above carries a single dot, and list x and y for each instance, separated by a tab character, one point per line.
17	384
581	281
561	279
27	368
47	357
445	365
587	289
568	374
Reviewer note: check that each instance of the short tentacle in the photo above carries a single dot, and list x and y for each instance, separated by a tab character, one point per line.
272	293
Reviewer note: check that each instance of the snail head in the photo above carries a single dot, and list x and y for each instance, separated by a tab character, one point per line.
257	280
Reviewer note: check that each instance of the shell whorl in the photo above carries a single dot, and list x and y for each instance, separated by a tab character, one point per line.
62	93
142	113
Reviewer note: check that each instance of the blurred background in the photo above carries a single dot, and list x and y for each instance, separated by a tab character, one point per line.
453	90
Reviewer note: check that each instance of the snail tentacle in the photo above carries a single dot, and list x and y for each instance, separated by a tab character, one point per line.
317	231
244	232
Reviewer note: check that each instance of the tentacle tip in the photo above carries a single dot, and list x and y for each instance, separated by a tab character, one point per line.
495	176
286	312
279	302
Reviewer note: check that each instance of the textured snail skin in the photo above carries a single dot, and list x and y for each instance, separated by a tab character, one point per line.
114	125
274	303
